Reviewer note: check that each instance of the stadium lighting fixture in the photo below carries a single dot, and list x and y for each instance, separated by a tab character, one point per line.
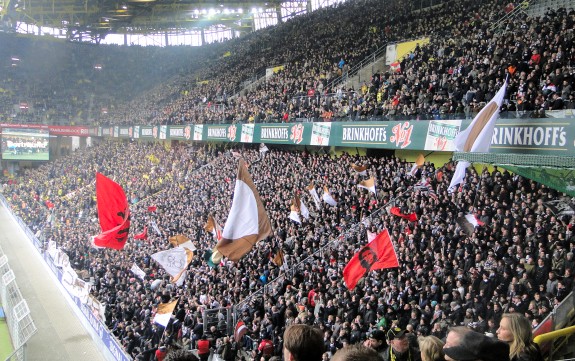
240	11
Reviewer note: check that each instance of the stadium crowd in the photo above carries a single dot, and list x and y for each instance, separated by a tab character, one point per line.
452	76
520	261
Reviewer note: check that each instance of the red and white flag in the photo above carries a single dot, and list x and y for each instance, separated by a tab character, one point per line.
468	223
240	330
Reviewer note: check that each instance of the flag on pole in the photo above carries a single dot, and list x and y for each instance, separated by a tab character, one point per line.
328	198
303	209
164	312
113	213
377	254
263	150
425	188
177	240
477	136
368	184
212	226
295	209
155	227
314	195
173	260
468	223
412	217
418	164
248	222
278	259
240	330
359	169
138	272
143	235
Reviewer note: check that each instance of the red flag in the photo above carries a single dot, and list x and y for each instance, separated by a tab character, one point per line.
240	331
49	204
152	208
412	217
377	254
113	213
143	235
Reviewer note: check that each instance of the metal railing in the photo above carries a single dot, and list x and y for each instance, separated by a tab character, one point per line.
20	323
561	317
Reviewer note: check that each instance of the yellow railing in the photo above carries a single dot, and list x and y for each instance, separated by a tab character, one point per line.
549	336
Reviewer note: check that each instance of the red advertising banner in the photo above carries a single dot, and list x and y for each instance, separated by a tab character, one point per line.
66	130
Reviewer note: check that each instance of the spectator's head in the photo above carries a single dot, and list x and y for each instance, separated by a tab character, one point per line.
515	330
356	352
181	355
397	339
375	339
303	342
464	344
431	348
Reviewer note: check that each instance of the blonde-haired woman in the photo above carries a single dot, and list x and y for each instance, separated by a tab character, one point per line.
515	329
431	348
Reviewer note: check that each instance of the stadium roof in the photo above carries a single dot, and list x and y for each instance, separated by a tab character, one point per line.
96	18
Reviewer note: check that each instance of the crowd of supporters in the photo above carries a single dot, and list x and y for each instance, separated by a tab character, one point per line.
520	260
469	55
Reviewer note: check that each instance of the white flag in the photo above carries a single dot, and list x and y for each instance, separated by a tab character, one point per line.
164	312
138	272
174	260
303	209
248	222
327	197
314	195
368	184
477	136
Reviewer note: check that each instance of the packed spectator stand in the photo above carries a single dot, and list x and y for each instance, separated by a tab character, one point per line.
522	259
466	60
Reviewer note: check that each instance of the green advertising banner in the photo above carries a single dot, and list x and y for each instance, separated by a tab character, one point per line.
124	132
522	136
180	132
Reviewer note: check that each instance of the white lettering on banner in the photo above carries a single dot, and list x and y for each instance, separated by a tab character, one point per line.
147	132
176	132
217	132
115	352
94	322
364	134
534	136
274	133
124	131
438	129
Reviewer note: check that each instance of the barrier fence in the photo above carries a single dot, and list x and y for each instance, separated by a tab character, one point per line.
20	323
106	339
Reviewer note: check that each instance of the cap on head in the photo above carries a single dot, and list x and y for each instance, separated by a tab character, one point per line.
395	333
377	335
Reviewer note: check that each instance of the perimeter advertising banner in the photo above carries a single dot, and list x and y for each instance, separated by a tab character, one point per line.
550	136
